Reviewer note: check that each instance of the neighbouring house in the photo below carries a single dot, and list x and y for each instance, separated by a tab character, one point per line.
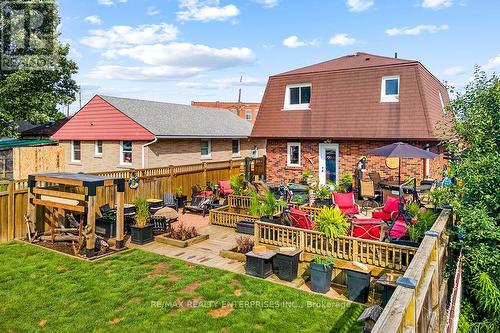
43	131
19	158
326	116
111	133
247	111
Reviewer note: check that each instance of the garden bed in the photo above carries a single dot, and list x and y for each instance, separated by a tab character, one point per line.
233	255
67	249
180	243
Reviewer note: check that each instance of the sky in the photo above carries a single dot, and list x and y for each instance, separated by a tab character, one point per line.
183	50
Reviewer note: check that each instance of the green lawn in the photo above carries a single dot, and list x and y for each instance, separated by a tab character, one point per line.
135	291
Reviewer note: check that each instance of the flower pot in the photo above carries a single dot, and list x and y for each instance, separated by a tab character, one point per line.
141	235
180	201
321	277
274	219
358	286
245	227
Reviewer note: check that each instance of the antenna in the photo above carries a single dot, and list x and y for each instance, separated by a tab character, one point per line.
80	96
239	93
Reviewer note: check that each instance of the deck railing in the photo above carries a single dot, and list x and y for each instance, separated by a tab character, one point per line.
419	305
379	254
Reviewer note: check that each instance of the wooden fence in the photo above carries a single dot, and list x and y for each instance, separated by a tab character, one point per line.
419	305
153	183
380	254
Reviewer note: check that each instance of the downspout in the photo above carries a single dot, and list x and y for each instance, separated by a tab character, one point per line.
143	150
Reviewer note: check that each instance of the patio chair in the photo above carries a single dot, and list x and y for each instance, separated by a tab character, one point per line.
170	200
161	224
345	202
299	218
225	188
370	198
195	190
390	210
199	204
106	209
367	228
375	177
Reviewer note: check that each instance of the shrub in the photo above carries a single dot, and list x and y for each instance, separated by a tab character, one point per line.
182	232
237	184
345	182
266	205
244	244
322	192
178	191
331	222
325	261
306	175
141	212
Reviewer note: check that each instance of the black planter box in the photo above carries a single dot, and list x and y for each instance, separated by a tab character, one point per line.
245	227
261	264
181	200
141	235
323	202
358	286
105	228
287	264
387	292
274	220
321	277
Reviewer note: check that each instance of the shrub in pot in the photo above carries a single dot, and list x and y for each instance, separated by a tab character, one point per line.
142	230
306	176
331	222
321	274
323	196
181	198
345	182
266	207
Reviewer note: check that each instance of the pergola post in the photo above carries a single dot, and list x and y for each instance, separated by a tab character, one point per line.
30	214
120	199
91	221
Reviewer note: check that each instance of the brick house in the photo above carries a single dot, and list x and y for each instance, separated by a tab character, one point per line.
245	110
326	116
111	133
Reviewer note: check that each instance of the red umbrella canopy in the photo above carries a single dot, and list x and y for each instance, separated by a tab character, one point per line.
402	150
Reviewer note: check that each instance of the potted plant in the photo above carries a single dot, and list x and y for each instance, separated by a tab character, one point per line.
237	183
266	207
306	176
331	222
142	230
345	182
105	225
320	271
181	198
422	220
323	196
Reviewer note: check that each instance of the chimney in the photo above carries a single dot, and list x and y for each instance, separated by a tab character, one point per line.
395	55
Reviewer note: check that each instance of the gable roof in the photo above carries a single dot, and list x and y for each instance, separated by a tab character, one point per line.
116	118
345	102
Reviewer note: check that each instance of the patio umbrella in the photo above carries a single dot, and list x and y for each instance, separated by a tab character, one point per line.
402	150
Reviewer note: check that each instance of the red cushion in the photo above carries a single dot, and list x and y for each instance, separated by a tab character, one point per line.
343	200
349	210
398	230
391	204
227	191
225	185
366	228
300	219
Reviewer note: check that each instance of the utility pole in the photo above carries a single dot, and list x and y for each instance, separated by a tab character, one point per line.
80	97
239	96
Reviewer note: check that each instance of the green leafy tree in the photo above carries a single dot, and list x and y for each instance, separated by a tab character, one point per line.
477	122
28	93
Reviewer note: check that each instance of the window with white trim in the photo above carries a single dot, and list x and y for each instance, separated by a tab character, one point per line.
206	148
126	152
293	154
98	148
76	151
236	147
248	115
297	96
255	152
390	89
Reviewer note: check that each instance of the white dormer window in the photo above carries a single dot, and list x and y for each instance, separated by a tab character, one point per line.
441	101
297	96
390	89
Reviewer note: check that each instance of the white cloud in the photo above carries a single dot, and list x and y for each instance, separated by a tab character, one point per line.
123	35
205	11
359	5
267	3
342	39
436	4
417	30
114	72
94	19
185	55
453	71
294	42
222	83
492	63
109	2
152	11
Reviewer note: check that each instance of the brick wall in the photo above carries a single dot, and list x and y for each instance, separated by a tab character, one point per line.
234	107
349	154
162	153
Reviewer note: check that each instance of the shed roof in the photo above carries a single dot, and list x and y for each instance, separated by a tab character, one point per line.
13	143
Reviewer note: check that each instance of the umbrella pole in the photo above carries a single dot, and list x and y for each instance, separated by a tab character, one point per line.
399	171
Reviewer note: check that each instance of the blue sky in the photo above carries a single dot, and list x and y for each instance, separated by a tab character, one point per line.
183	50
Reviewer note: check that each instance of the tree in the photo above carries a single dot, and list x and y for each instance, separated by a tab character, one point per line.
29	92
477	127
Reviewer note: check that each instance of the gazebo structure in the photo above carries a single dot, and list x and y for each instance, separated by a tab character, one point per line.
63	192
